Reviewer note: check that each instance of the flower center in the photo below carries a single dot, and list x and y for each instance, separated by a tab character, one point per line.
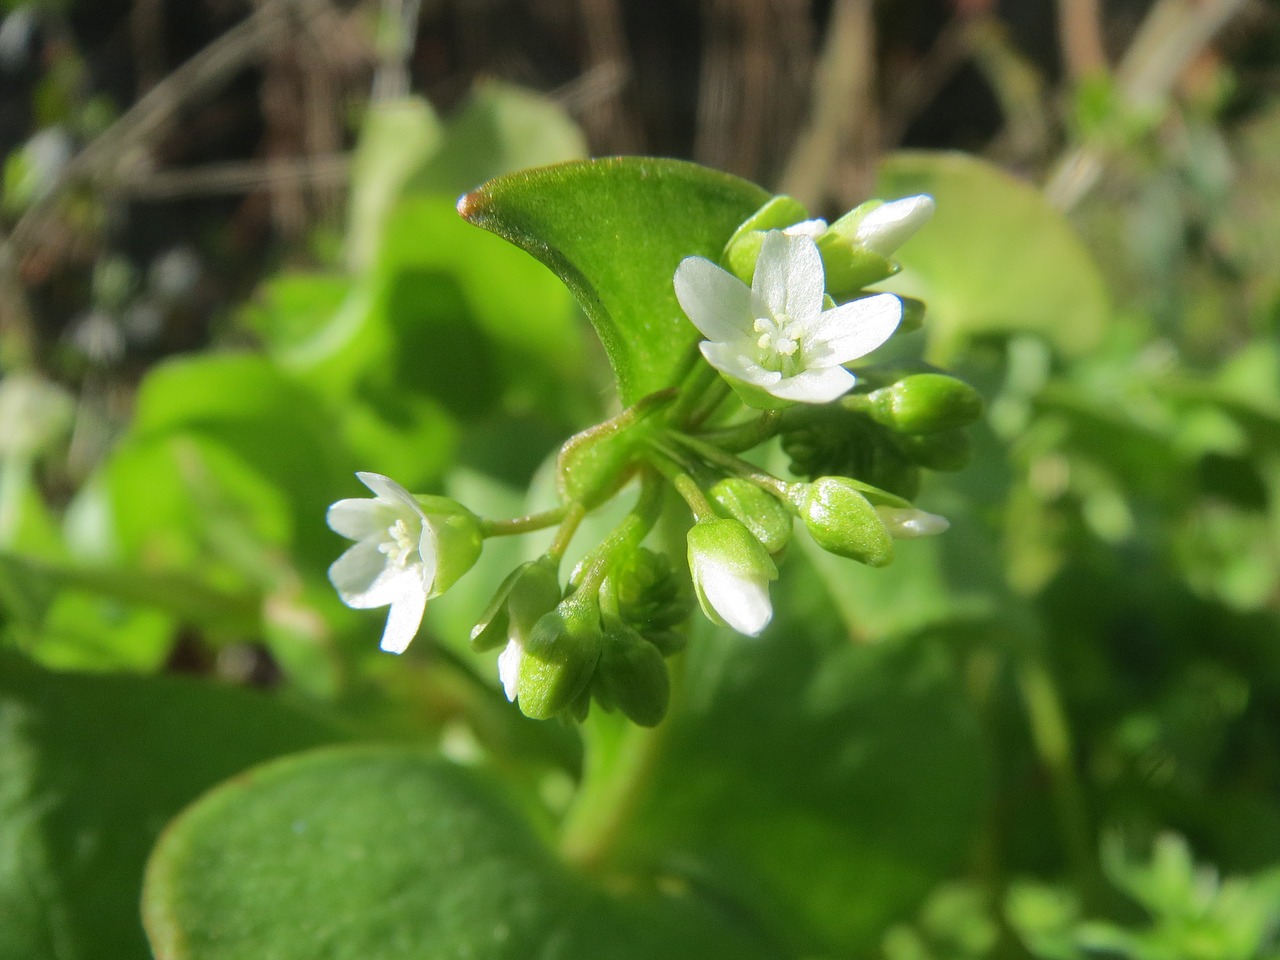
400	544
779	350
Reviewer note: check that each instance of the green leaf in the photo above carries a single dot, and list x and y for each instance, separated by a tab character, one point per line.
391	853
996	257
827	786
91	767
614	231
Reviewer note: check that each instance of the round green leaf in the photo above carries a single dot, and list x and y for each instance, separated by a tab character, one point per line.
91	767
614	231
995	258
388	853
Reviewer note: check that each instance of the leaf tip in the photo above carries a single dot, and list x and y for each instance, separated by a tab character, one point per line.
469	206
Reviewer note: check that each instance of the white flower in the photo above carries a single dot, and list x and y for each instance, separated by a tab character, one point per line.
774	336
408	549
731	573
907	523
888	226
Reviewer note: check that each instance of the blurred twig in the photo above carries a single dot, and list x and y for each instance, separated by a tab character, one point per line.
234	177
834	159
608	121
207	70
916	89
1170	37
1079	27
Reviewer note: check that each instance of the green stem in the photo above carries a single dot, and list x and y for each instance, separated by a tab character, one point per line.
525	524
736	465
700	378
1051	734
746	435
633	528
573	515
668	465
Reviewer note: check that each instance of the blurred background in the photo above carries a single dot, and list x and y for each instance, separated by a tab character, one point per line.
231	274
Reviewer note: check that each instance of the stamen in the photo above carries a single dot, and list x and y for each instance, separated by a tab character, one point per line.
400	545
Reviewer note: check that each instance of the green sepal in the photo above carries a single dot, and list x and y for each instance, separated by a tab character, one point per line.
851	268
925	403
528	592
843	521
755	508
743	249
632	676
459	539
559	658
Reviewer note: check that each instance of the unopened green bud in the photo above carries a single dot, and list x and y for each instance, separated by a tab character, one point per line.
528	592
756	509
925	403
946	451
632	676
653	599
594	464
558	659
743	249
843	521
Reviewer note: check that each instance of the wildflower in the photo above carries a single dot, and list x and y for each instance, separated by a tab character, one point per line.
408	549
731	573
773	340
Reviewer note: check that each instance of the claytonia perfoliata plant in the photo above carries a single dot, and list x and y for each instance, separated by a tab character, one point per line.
783	312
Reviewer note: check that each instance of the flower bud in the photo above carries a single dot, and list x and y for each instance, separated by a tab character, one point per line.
843	521
907	523
756	509
632	676
652	599
925	403
528	592
946	451
840	442
731	573
857	248
553	666
743	248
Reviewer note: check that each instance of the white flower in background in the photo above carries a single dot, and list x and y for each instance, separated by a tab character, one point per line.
731	573
408	549
907	523
774	337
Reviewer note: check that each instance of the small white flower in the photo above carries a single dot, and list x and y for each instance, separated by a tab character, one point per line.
907	523
774	336
731	573
394	560
888	226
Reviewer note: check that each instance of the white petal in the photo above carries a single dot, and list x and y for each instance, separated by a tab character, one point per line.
807	228
387	489
359	518
909	523
888	227
429	554
820	385
789	275
403	621
731	360
364	579
853	329
357	572
742	603
509	668
717	302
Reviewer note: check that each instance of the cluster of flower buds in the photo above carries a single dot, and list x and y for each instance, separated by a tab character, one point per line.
782	313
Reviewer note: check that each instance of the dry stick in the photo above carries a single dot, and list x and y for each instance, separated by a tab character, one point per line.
1079	26
844	118
235	177
209	68
609	120
1171	36
918	88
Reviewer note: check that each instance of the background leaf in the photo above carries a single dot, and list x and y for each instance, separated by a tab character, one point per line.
392	853
91	768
